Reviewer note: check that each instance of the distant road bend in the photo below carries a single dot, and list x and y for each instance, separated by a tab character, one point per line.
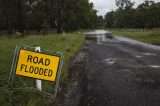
120	72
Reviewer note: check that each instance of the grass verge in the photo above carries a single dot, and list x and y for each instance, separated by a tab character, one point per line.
152	36
68	45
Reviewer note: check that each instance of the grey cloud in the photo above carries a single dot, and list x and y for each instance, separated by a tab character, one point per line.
104	6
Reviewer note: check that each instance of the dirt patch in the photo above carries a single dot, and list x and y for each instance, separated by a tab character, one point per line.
71	93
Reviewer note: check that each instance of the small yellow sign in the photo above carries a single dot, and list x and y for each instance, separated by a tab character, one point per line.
37	65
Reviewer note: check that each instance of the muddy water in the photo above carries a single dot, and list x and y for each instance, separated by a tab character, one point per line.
102	36
99	35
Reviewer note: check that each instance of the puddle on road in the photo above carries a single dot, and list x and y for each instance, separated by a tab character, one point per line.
149	54
154	66
139	56
99	38
110	61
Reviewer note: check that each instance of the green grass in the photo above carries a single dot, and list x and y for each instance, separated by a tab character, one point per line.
152	36
68	45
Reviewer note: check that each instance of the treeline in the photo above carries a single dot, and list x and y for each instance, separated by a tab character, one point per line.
60	15
145	16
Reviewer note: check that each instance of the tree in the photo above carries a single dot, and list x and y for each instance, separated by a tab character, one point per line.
100	21
62	15
109	19
124	3
146	15
93	16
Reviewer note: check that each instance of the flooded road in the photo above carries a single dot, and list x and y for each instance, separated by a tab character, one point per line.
120	72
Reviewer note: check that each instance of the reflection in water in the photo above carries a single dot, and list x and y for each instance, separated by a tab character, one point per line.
97	32
100	38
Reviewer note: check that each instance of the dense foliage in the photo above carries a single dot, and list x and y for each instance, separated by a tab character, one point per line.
63	15
146	15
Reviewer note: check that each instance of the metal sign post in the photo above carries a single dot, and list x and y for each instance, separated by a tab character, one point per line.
38	82
27	62
58	76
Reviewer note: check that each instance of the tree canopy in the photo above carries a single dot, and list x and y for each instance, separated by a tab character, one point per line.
62	15
146	15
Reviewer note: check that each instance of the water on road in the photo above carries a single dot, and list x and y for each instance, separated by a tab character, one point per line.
120	72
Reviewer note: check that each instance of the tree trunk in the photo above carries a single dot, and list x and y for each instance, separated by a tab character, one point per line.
6	19
21	24
60	17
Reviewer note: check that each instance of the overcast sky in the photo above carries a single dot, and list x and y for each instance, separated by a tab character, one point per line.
104	6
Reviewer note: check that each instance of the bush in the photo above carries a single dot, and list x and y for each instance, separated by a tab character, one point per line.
5	97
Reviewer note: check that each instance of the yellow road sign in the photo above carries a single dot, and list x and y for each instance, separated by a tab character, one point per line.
37	65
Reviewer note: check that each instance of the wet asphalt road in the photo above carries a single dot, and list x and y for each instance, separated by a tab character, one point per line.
120	73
